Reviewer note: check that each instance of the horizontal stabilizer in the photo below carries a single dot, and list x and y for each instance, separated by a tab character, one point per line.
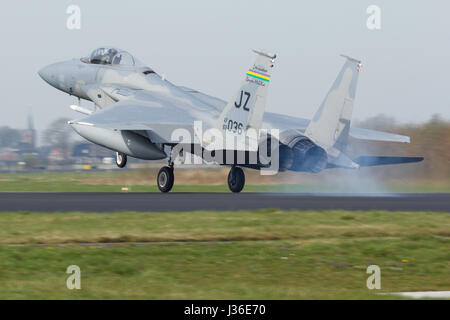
373	135
369	161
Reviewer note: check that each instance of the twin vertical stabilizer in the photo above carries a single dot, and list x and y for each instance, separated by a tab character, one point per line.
246	110
331	124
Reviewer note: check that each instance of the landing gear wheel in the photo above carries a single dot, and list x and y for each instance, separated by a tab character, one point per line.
121	159
165	179
236	179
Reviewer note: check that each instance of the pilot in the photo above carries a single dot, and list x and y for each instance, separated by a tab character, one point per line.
109	55
117	58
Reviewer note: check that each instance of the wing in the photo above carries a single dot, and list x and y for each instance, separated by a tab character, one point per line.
215	103
133	109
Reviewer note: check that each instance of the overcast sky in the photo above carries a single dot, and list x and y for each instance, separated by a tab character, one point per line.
206	45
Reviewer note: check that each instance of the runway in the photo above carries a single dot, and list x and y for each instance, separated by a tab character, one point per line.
158	202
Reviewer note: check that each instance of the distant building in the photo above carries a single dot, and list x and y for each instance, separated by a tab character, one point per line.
22	146
9	155
56	155
87	152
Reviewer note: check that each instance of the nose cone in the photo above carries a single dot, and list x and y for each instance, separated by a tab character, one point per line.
49	74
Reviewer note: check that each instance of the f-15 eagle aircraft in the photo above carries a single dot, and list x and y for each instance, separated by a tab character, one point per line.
136	112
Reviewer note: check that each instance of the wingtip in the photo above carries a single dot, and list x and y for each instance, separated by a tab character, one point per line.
405	139
265	54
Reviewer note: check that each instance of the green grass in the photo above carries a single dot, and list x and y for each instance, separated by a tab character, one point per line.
143	181
265	254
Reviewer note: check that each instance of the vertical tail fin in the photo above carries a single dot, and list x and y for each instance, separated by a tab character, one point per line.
331	124
246	109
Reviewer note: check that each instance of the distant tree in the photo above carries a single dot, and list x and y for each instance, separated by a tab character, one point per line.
430	139
59	135
9	137
378	122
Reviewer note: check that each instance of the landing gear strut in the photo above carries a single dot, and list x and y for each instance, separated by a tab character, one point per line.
121	159
236	179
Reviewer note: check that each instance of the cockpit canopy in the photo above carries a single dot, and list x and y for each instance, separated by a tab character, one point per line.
111	56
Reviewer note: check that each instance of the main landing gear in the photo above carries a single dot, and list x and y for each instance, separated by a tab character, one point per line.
121	159
166	179
236	179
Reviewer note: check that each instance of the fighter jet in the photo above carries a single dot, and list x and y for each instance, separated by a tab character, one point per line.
138	113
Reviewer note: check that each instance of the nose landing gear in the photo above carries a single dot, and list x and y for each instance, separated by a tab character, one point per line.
121	159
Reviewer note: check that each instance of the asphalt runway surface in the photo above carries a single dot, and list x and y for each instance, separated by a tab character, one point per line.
157	202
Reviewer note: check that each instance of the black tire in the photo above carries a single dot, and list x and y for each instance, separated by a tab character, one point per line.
165	179
121	159
236	179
